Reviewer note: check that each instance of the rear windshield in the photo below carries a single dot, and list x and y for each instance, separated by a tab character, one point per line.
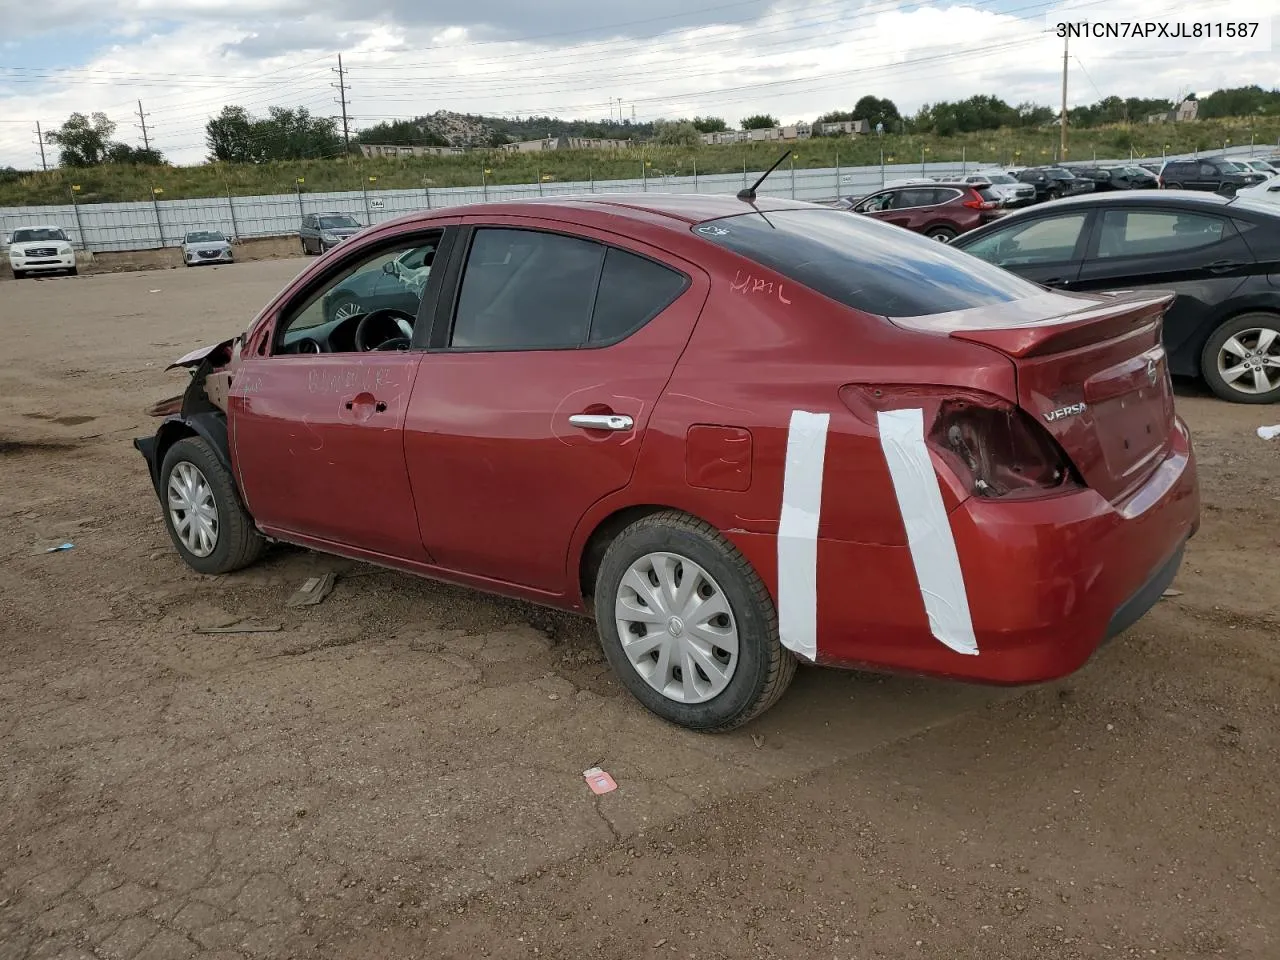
865	264
337	223
34	235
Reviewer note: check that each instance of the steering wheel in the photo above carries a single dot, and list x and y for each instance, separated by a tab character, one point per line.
402	322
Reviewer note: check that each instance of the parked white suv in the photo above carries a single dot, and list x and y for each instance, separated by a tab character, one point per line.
44	249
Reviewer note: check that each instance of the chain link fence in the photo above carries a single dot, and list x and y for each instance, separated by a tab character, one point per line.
150	225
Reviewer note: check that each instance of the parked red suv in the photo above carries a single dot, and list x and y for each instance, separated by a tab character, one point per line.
941	211
741	434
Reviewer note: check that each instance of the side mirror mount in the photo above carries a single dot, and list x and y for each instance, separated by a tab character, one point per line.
391	268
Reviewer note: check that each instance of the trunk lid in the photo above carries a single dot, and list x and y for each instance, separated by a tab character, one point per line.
1090	369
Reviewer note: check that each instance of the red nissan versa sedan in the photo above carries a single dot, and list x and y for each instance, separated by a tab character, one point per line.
740	434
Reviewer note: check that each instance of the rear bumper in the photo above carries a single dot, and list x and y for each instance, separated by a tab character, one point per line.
1048	581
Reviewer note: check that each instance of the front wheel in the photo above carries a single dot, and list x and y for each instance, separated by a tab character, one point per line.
19	274
1241	360
688	626
203	512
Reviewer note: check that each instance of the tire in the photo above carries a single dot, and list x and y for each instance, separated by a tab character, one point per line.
236	542
760	671
19	274
1247	331
306	248
941	234
73	272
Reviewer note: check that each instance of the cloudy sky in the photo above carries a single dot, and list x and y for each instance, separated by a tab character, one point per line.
185	59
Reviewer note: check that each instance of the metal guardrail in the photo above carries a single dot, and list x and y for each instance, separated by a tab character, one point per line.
162	223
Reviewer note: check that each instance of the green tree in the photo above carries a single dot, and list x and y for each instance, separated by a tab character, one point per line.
677	133
138	156
710	124
402	133
230	137
876	110
83	141
759	121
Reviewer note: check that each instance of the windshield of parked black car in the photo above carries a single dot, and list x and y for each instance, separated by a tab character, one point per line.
1058	175
865	264
999	178
33	235
334	223
206	236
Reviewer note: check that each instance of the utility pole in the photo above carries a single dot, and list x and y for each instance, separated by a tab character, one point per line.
142	122
1062	145
40	140
342	99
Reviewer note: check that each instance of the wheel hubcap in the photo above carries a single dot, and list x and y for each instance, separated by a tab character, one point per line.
347	310
1250	360
192	509
676	627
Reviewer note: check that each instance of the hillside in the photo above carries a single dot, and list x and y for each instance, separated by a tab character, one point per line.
1027	147
445	128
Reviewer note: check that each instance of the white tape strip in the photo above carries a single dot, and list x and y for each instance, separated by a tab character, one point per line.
798	532
933	546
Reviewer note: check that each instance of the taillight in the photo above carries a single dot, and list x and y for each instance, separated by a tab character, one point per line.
975	202
990	447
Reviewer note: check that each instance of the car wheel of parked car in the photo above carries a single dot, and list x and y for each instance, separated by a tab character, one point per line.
19	274
1241	361
941	234
688	626
203	512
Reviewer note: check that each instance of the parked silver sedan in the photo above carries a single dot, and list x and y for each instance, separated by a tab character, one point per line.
206	246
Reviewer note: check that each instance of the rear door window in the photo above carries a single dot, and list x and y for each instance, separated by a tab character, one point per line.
526	289
865	264
633	290
1148	233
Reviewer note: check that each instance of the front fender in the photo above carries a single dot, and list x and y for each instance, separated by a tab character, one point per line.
209	426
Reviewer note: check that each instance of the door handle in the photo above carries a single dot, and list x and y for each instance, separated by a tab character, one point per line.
1057	282
1222	266
602	421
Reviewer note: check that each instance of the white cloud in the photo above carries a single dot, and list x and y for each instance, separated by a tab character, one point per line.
186	60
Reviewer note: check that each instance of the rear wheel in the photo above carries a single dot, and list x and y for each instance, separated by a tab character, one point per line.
203	512
688	626
1241	360
941	234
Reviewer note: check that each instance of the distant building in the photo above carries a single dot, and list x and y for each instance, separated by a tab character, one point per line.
1183	112
835	128
400	150
724	136
566	143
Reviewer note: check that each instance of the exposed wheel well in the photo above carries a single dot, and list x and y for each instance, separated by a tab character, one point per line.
603	535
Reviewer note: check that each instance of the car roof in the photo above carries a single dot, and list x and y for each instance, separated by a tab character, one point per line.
673	210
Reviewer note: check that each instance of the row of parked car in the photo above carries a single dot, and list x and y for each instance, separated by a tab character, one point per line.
943	209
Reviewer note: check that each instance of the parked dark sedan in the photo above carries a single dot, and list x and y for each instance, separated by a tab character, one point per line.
1123	177
941	211
1220	256
1054	182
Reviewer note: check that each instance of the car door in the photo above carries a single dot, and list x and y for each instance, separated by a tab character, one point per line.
1198	255
911	207
877	205
1048	249
532	403
317	425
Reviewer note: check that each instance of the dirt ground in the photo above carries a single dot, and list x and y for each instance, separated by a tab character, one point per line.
397	773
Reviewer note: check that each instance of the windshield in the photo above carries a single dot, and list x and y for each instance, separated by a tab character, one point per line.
999	178
1135	172
337	223
34	234
1057	174
205	236
871	266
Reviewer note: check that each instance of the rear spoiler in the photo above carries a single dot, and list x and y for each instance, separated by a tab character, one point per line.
1124	314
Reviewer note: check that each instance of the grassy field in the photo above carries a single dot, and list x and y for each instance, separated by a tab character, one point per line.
1024	147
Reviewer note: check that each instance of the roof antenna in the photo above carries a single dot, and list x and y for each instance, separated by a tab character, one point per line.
749	193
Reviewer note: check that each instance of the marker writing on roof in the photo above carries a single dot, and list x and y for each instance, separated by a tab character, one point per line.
750	284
